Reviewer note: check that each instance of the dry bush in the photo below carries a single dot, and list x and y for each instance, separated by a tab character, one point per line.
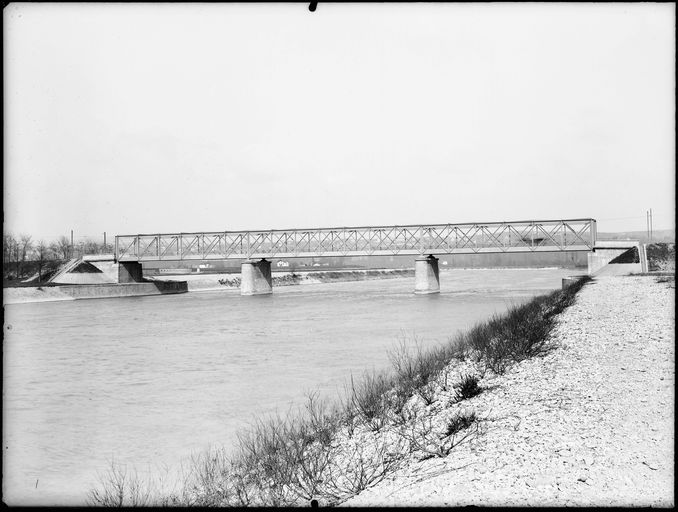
427	392
398	398
402	416
267	461
120	487
423	436
311	446
314	461
322	420
208	483
519	334
358	466
369	398
416	369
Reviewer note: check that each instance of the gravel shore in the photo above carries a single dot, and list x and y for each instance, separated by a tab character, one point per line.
589	424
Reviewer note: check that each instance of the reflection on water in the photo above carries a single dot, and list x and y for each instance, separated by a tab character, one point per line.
150	380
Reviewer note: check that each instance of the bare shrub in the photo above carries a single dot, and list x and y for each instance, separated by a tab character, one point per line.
427	392
519	334
120	487
369	398
359	466
416	369
208	483
310	445
267	462
423	436
314	462
321	420
402	416
398	398
350	417
405	365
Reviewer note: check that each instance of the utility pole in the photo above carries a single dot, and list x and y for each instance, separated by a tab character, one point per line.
104	241
72	247
651	225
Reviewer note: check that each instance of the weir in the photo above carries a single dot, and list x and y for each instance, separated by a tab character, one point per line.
423	241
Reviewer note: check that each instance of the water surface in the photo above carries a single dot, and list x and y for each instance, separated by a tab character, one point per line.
149	380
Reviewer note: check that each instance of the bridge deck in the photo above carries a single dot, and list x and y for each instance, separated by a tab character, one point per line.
489	237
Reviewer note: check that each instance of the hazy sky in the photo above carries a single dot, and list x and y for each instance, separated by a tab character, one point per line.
154	118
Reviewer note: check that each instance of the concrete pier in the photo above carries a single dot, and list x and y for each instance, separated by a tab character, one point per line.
130	272
426	278
255	277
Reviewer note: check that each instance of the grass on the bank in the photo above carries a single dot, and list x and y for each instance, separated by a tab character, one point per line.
331	452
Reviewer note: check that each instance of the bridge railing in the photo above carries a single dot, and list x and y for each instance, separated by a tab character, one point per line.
521	236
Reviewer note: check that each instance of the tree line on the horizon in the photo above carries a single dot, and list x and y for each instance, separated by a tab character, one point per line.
21	254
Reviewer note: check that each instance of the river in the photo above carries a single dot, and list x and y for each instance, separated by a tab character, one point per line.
148	381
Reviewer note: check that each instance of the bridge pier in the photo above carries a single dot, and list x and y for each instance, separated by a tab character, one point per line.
426	277
130	272
255	277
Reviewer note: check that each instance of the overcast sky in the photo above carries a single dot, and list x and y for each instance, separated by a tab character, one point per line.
144	118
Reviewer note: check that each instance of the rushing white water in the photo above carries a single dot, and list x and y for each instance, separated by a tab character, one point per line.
147	381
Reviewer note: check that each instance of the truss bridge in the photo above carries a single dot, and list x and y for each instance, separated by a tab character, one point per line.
423	241
524	236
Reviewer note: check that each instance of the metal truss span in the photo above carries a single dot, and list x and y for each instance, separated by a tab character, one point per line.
488	237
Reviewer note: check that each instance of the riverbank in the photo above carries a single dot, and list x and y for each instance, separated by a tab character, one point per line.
590	424
566	400
383	422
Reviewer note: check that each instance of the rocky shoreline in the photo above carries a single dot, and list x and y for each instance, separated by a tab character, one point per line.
589	424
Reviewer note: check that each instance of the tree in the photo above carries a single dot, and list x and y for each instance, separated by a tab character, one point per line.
25	246
42	254
9	252
8	243
62	247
